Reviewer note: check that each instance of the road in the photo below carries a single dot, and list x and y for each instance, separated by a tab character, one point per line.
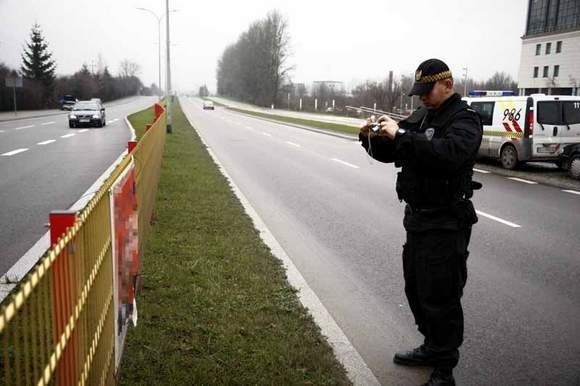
335	213
46	166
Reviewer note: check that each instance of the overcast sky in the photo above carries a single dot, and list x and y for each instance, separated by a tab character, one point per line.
330	40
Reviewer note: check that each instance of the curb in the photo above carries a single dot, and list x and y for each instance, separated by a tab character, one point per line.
32	116
357	370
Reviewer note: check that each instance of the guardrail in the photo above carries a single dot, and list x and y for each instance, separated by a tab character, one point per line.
65	322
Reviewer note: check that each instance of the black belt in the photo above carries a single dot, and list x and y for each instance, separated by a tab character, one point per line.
428	210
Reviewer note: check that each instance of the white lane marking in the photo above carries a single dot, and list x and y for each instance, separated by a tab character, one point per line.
266	134
481	171
344	163
13	152
571	191
115	120
82	131
293	144
23	127
68	135
109	122
46	142
357	370
47	123
1	131
522	180
500	220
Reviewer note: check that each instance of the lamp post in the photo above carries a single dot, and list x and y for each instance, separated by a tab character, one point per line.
168	85
158	18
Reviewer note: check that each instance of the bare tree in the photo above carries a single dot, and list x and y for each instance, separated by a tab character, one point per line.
128	69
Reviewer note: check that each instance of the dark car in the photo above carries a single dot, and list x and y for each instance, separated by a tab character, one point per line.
67	102
87	113
570	160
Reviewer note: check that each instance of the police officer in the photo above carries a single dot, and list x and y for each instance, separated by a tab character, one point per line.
436	148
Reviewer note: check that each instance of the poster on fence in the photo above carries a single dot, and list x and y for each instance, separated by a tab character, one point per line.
124	237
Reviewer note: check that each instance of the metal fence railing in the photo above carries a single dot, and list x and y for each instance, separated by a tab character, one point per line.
61	324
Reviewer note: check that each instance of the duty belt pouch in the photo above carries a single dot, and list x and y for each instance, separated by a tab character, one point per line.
407	188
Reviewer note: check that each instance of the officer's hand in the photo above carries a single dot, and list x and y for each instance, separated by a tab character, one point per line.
388	127
366	128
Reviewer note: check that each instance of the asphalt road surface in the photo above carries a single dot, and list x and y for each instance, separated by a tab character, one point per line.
335	213
46	166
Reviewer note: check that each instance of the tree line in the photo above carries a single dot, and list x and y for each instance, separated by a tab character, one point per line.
254	69
42	88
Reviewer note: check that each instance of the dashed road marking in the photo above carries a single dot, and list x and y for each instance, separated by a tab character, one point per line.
481	171
1	131
571	191
14	152
46	142
47	123
522	180
293	144
68	135
266	134
500	220
82	131
344	163
23	127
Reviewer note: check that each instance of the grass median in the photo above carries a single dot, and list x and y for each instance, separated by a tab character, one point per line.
216	307
344	129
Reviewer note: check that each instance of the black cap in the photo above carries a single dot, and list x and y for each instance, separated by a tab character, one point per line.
429	72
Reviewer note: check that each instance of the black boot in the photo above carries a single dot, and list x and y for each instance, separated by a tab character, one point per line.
421	356
441	376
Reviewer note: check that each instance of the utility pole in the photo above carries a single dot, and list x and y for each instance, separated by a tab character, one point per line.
168	92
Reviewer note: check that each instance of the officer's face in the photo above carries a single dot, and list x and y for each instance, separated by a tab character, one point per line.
438	94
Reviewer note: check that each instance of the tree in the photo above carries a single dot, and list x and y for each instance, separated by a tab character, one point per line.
254	68
203	91
128	69
37	63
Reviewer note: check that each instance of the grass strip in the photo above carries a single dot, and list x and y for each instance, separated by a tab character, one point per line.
216	307
344	129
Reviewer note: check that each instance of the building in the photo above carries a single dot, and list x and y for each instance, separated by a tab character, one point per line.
550	60
327	86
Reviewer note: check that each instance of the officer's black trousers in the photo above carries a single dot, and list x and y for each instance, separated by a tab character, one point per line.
435	271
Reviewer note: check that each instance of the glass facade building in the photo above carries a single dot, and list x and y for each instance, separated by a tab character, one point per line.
550	16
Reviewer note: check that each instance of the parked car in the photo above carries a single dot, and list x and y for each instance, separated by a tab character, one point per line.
570	160
87	113
67	102
208	105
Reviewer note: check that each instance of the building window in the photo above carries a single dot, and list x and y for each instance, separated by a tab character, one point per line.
548	48
558	47
546	71
556	70
536	70
538	49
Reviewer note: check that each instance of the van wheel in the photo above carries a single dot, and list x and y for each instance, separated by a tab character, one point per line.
575	167
509	157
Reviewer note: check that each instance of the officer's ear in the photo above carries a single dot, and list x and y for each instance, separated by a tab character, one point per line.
448	83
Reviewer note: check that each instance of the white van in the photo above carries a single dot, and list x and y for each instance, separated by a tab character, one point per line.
527	128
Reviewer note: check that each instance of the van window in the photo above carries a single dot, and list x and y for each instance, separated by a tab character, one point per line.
571	112
549	113
485	110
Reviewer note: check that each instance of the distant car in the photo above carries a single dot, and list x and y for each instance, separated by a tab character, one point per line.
570	160
87	113
208	105
67	102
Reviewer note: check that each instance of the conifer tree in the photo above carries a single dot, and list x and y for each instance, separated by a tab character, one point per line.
37	63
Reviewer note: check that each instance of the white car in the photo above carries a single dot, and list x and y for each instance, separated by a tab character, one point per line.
208	105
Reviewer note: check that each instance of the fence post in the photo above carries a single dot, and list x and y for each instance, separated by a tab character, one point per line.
60	222
131	145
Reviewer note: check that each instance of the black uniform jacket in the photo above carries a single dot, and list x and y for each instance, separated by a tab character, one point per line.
441	143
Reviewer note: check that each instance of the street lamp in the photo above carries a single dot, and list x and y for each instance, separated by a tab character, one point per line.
158	18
